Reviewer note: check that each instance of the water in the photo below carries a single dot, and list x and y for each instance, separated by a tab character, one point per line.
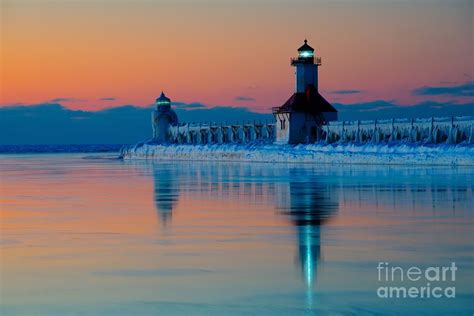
110	237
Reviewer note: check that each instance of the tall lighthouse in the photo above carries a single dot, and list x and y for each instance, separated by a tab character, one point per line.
300	118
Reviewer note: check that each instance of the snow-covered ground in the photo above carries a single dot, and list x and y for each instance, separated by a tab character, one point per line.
391	153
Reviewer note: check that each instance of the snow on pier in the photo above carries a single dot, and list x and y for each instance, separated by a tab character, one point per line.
388	154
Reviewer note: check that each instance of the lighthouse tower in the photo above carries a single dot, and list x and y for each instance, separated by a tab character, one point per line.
306	68
162	118
300	118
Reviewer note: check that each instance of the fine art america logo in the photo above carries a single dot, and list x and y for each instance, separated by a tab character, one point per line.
416	282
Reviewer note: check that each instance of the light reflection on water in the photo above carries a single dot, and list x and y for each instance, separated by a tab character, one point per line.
225	238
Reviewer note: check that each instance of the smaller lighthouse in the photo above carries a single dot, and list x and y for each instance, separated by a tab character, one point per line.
162	118
300	118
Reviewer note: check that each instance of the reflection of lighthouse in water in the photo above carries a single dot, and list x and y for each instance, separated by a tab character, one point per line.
306	202
309	205
166	193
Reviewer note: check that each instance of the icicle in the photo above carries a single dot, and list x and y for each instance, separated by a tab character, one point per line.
265	133
436	136
453	135
343	136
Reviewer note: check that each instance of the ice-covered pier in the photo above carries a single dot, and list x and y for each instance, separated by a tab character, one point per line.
436	130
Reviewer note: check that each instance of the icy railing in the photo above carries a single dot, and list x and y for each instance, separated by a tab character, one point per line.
209	133
435	130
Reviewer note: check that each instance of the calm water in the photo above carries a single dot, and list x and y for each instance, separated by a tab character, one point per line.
110	237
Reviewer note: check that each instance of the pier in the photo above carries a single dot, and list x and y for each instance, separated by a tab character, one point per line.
436	130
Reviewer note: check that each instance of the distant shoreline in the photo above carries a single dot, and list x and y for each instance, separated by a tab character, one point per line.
63	148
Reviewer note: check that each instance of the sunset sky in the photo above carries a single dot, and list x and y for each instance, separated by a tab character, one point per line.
96	54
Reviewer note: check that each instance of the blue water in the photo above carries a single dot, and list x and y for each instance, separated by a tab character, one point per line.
84	236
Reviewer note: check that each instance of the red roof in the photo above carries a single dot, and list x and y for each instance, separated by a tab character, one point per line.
310	101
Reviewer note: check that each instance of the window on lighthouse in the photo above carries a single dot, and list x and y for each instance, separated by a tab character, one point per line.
306	53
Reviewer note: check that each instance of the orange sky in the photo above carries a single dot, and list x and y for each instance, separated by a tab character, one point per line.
214	51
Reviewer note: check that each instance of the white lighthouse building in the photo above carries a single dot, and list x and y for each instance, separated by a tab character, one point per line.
300	118
162	118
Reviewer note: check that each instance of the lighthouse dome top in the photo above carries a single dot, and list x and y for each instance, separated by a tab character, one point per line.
162	99
163	103
305	50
